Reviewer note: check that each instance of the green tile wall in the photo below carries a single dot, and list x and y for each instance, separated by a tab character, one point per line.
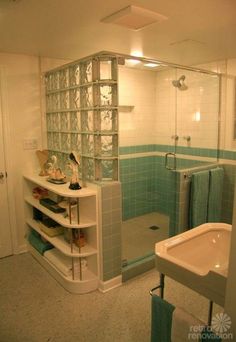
111	230
148	186
228	193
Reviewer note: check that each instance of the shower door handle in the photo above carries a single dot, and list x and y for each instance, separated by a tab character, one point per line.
166	161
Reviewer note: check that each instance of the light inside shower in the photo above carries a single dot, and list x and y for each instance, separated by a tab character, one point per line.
197	116
131	62
151	65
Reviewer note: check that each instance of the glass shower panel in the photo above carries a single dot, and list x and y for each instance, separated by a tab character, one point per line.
197	105
147	127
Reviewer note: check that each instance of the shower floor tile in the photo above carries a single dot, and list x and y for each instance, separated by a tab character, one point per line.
137	237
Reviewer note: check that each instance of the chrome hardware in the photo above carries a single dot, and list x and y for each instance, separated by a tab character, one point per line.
175	137
166	161
187	137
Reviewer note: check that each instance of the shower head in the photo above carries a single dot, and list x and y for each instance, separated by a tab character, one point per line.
180	83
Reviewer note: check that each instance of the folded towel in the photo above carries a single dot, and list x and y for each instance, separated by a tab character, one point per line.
35	240
161	320
182	324
198	198
215	194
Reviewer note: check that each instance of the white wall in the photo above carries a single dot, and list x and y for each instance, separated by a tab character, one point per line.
23	113
137	88
178	111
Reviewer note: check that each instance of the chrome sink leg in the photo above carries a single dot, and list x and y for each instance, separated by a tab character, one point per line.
210	310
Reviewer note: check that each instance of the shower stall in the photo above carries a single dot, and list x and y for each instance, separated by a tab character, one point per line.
143	123
168	126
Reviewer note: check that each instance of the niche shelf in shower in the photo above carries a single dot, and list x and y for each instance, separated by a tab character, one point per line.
126	108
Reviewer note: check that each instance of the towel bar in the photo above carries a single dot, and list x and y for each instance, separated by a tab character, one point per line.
161	287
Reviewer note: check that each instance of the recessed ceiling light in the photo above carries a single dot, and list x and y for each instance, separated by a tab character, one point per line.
134	17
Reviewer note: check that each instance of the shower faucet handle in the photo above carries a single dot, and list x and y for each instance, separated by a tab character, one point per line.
175	137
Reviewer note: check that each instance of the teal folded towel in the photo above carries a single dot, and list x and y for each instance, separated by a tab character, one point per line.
161	320
215	194
208	335
198	198
35	240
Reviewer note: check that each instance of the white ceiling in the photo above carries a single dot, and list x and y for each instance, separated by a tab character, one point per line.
196	31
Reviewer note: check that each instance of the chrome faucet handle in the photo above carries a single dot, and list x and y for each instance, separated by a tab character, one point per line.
175	137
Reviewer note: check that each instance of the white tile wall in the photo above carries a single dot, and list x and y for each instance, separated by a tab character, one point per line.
137	88
162	110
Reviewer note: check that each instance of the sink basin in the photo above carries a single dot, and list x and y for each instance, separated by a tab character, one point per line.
198	258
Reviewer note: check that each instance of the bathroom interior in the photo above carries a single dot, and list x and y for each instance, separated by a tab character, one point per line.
143	127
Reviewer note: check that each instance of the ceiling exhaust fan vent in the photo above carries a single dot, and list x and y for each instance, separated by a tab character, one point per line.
134	17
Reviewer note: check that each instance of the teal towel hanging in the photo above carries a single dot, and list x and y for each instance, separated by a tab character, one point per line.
215	194
161	320
198	198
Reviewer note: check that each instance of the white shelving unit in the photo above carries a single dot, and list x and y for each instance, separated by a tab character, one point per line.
84	271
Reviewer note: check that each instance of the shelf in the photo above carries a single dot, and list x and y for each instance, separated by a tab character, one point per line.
84	223
59	189
61	244
126	108
87	284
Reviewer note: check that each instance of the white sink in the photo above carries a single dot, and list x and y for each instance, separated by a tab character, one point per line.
198	258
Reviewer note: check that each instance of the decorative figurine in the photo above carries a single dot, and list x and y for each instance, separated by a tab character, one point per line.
42	158
55	173
73	165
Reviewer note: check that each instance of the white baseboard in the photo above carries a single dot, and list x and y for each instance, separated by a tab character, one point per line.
105	286
21	249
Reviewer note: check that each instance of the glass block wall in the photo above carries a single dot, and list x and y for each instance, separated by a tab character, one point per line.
82	116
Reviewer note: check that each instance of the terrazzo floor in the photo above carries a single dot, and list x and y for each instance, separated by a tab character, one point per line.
35	308
137	237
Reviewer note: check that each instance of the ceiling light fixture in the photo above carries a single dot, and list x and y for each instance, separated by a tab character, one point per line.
134	17
151	65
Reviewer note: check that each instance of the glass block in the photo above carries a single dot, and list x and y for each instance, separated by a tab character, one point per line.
86	72
74	73
87	144
87	120
64	78
49	120
52	102
65	142
87	97
50	140
106	121
107	95
56	141
75	125
55	122
48	103
52	81
104	170
74	98
47	82
88	168
64	100
106	145
105	70
76	142
65	121
64	162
